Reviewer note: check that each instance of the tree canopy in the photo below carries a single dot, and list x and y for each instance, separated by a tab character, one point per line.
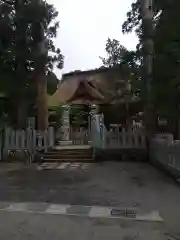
125	67
165	85
27	31
166	35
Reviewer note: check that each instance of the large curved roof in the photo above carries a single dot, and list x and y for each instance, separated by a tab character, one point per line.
94	86
76	90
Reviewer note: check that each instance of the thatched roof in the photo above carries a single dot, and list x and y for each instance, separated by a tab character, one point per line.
94	86
87	72
76	90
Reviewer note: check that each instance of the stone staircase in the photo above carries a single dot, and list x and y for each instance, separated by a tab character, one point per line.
68	155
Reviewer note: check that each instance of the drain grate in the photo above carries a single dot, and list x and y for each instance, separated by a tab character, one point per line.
129	213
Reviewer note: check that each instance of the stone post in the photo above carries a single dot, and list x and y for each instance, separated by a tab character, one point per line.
65	129
93	112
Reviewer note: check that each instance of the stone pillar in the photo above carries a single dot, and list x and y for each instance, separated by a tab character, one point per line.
65	129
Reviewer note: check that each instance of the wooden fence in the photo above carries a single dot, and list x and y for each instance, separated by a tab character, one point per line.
31	140
116	138
79	136
164	150
126	139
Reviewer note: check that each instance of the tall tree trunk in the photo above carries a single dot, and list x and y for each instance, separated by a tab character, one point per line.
41	103
20	67
21	114
41	80
147	17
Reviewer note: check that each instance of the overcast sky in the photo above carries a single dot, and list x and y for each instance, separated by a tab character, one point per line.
84	28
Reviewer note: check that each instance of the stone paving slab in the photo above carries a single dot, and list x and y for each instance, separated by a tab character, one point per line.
80	210
86	211
64	166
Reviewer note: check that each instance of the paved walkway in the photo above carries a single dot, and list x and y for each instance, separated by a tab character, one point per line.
121	185
29	226
65	166
81	211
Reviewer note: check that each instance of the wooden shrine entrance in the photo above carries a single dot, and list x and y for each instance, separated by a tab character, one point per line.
79	97
76	126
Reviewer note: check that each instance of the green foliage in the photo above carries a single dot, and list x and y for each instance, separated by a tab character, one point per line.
133	19
79	115
124	65
27	30
165	86
167	57
115	53
55	117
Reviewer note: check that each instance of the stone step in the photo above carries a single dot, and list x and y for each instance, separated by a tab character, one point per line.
69	153
84	160
65	143
72	147
72	151
66	156
70	142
